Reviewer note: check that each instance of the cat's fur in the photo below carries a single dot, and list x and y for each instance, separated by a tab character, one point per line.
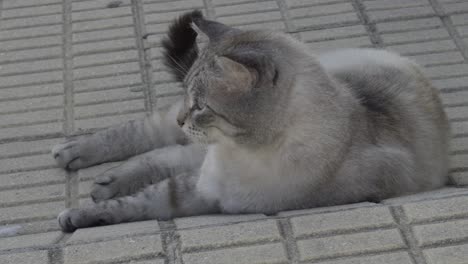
281	129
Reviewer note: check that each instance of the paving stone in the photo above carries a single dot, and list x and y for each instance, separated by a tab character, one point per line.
458	129
93	234
29	228
459	113
355	219
113	250
30	131
173	5
36	42
459	144
322	21
228	235
51	115
461	19
437	209
152	261
261	254
162	76
110	69
444	192
29	91
327	247
31	104
321	10
451	57
333	33
151	18
412	36
379	4
106	121
30	54
31	78
210	220
31	32
302	3
424	47
387	258
110	108
31	21
25	241
33	257
460	178
441	233
32	177
454	98
274	25
450	83
34	194
455	7
32	66
107	58
121	80
27	147
250	18
95	14
321	210
22	3
443	255
105	34
413	24
39	211
459	161
323	46
246	8
119	94
96	4
32	11
104	46
446	70
402	13
102	24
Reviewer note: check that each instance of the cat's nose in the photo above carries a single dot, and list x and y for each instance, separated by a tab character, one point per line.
181	122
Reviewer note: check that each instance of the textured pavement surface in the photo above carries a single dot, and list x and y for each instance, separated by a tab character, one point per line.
69	67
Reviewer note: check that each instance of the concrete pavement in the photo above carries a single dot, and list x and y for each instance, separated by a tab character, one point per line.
69	67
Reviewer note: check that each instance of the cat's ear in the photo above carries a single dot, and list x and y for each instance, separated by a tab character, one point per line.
211	30
240	79
179	48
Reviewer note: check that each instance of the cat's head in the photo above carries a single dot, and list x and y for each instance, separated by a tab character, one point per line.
233	79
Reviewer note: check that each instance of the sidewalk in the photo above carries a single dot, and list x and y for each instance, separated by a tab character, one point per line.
68	67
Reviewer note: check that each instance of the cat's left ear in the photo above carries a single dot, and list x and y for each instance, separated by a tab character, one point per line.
211	31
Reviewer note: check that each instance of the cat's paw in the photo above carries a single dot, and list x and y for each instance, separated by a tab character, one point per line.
68	155
115	183
69	220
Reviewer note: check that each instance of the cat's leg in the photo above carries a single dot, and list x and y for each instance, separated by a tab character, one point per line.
173	197
121	141
146	169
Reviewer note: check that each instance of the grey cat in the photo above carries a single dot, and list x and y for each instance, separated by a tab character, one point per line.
266	126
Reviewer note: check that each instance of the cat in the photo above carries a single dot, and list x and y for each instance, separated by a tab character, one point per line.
265	126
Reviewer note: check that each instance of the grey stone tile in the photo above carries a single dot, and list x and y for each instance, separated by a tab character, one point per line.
355	219
30	131
209	220
96	4
32	11
173	5
402	13
105	34
31	78
449	254
258	254
33	257
441	233
32	66
105	58
228	235
25	241
93	234
102	24
33	194
118	94
99	83
31	21
32	177
109	108
40	211
413	24
105	121
31	32
109	69
114	250
96	14
24	3
437	209
387	258
36	42
30	54
327	247
104	46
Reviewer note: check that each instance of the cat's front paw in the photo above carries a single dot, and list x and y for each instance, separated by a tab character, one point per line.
110	185
69	220
68	155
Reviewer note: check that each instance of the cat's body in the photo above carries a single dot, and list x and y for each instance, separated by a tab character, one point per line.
285	130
